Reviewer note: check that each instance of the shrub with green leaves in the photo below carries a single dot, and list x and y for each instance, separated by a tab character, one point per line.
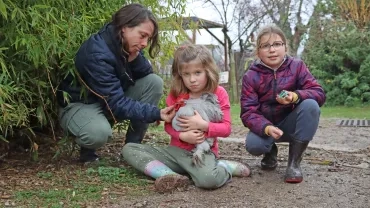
38	41
338	54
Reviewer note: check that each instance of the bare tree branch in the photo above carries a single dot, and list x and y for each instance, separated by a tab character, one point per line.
270	12
299	18
215	37
258	19
217	10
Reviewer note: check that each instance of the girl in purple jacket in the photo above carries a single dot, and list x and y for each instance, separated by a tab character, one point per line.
280	102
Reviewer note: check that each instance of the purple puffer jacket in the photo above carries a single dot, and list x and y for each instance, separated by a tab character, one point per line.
260	86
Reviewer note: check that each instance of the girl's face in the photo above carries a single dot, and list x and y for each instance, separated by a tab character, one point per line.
272	50
194	76
137	37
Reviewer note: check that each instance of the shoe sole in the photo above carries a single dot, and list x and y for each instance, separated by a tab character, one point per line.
169	183
293	180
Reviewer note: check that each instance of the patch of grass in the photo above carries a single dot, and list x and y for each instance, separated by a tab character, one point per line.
81	187
156	129
116	175
45	175
235	115
76	196
357	112
158	136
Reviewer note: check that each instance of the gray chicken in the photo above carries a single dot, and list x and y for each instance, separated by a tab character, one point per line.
209	109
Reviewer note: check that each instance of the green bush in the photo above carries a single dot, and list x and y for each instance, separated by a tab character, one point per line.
340	60
38	41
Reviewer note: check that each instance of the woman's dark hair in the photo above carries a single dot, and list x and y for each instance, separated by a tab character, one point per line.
131	16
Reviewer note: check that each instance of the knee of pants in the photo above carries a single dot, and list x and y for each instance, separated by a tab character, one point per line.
94	136
128	149
212	181
156	83
310	106
256	147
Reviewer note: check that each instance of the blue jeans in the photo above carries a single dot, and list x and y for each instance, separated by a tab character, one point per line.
301	124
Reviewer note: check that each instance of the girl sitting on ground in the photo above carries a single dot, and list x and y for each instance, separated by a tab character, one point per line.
194	72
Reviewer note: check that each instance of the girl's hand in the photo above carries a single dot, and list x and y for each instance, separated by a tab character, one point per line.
192	136
285	100
275	132
195	122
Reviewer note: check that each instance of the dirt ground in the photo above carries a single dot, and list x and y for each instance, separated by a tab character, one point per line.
335	166
336	174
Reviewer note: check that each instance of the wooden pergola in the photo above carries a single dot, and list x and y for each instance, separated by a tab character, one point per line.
195	23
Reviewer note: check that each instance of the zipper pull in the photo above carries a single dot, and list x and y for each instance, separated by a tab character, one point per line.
275	74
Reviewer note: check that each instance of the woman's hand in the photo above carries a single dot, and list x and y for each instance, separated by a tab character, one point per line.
192	136
195	122
285	100
275	132
167	114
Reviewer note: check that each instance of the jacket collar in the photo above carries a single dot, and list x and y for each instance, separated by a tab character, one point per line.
259	66
259	61
109	32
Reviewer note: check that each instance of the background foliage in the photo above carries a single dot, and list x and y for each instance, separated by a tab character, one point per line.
38	41
338	50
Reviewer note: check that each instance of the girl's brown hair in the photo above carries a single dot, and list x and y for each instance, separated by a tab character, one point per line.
187	53
270	30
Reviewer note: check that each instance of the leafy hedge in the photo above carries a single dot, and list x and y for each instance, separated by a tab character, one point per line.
338	54
38	41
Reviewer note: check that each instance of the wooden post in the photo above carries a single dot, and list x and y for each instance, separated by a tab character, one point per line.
194	39
237	58
228	63
232	81
225	49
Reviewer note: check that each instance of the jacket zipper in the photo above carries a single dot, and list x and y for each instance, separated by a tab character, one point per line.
273	97
128	76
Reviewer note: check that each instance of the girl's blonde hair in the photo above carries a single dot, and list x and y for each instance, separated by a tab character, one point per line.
270	30
187	53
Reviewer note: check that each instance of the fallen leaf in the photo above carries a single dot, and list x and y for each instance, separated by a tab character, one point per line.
5	197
